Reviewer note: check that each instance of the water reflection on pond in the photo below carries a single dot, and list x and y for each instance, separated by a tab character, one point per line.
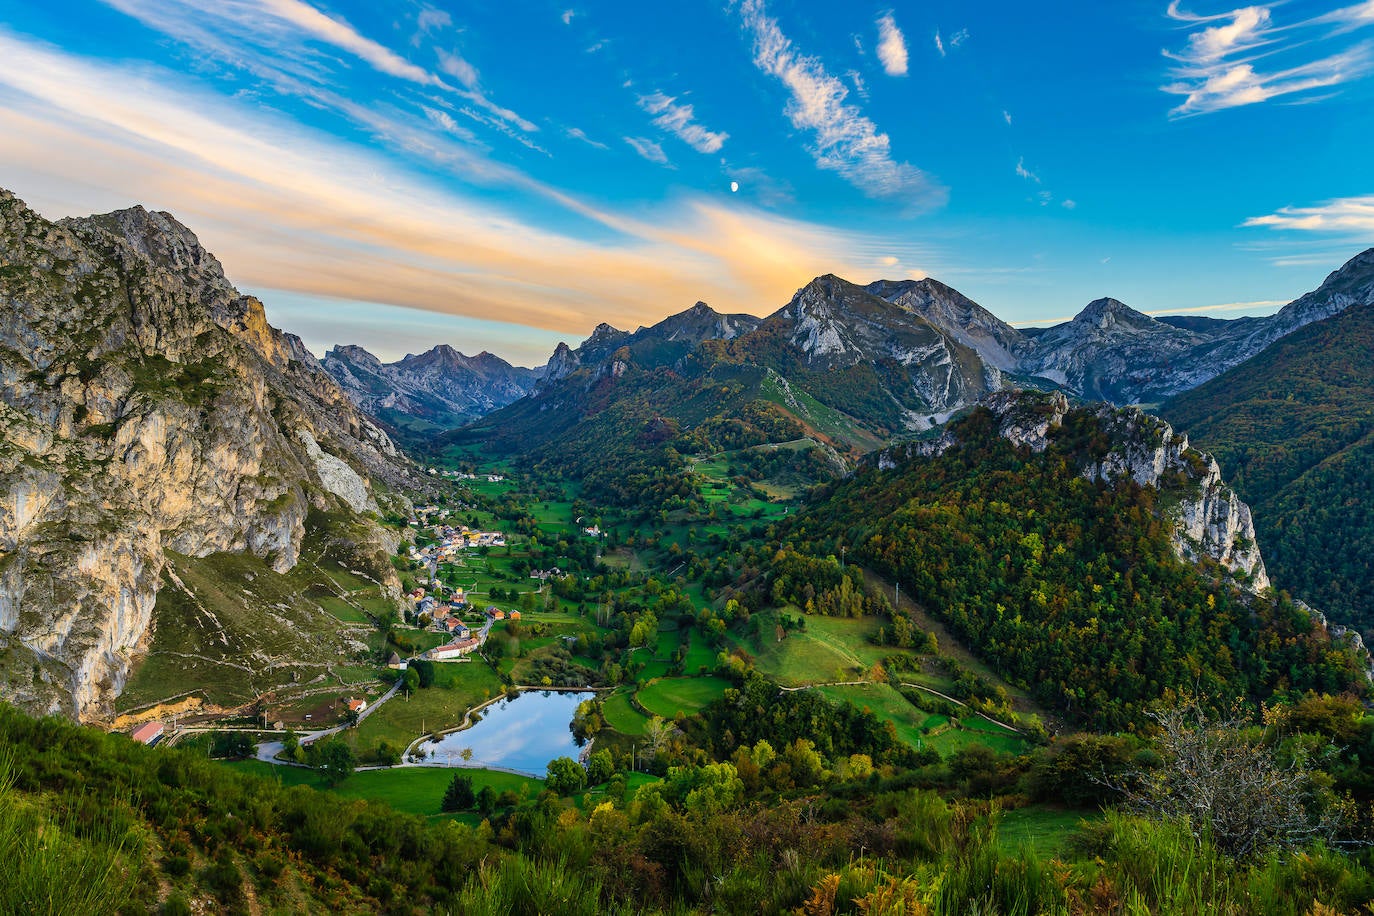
520	733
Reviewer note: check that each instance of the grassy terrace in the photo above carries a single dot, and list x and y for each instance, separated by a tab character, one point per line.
922	728
621	715
829	649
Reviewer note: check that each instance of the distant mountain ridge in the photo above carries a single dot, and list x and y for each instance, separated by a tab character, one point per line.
904	354
441	387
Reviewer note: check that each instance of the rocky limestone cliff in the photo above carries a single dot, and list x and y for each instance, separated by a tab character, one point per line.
1209	520
146	407
926	370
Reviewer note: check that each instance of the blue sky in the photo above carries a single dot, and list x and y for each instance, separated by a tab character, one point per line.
503	175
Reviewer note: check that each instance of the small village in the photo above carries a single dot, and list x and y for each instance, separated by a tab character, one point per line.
447	608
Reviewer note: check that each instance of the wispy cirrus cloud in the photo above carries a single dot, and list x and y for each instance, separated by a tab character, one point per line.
271	37
843	141
1245	57
891	46
944	46
680	121
1023	172
648	149
1347	214
578	133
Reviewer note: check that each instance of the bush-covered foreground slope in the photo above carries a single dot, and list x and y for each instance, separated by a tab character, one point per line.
1294	430
1069	585
93	823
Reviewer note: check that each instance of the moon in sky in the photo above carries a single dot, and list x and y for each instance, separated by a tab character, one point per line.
734	187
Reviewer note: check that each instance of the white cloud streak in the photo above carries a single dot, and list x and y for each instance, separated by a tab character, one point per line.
578	133
1347	214
860	86
891	46
1024	172
939	43
648	149
271	36
679	120
844	141
1243	57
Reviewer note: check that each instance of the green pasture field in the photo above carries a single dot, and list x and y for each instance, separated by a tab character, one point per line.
830	649
621	716
668	695
411	790
458	686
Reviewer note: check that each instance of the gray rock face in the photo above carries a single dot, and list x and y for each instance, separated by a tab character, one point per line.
998	343
562	364
1110	352
837	325
1114	353
441	385
1210	522
146	406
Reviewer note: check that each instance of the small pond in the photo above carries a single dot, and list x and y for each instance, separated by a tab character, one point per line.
521	733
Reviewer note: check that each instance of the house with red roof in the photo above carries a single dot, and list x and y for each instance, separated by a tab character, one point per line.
147	733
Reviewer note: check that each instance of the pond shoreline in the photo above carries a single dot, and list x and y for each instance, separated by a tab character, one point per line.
469	722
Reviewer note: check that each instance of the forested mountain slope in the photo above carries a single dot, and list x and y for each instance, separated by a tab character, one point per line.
1293	429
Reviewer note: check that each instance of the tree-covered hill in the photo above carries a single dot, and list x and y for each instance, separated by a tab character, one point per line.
1071	588
1293	429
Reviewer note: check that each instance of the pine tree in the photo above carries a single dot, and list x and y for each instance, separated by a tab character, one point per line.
459	795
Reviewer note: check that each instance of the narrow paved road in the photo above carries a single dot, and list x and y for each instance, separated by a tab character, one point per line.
267	751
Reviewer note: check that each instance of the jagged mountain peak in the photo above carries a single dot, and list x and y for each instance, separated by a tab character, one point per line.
698	323
604	331
158	236
442	385
1106	312
998	343
1359	269
352	353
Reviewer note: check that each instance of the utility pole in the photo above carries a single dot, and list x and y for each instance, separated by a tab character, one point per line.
898	587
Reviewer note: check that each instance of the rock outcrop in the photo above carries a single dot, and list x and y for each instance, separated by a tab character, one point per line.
147	406
1209	520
